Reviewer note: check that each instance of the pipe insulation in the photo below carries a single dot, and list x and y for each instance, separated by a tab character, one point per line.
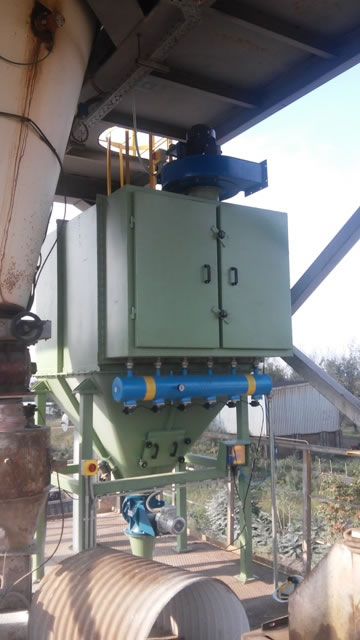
105	594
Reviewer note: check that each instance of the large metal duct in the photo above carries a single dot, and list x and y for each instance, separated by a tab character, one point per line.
105	594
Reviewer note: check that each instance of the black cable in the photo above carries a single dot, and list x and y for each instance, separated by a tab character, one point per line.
25	64
52	247
36	128
243	502
42	564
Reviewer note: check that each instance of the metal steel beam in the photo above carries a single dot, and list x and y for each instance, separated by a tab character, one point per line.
189	17
207	86
164	129
340	397
302	445
326	261
160	480
291	86
271	26
66	483
82	187
200	460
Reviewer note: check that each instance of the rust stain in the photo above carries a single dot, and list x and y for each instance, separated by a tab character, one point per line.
31	73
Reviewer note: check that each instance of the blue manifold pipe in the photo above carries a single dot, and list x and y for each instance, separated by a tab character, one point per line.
132	389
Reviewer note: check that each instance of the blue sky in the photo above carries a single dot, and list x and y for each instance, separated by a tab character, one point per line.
313	153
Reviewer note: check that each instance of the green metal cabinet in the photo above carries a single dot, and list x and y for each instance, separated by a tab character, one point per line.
254	278
144	275
168	277
176	282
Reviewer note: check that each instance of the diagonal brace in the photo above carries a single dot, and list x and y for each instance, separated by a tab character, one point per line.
333	253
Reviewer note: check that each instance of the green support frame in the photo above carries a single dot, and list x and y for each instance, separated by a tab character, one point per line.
245	538
86	513
87	489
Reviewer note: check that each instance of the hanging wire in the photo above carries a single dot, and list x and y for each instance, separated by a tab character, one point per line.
243	502
25	64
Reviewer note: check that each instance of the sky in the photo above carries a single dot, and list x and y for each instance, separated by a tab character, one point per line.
313	152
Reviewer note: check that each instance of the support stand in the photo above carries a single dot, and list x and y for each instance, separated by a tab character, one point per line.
85	530
245	538
181	510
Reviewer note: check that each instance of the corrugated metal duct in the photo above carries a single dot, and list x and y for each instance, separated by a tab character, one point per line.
105	594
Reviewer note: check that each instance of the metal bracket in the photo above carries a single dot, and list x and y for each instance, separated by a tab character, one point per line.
222	314
220	235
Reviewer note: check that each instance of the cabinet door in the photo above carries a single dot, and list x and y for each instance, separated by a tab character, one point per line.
255	286
176	282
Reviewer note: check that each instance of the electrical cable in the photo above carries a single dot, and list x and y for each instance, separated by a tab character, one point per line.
52	246
243	502
39	132
25	64
150	497
36	129
42	564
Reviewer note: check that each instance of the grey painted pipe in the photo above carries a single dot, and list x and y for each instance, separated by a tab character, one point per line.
105	594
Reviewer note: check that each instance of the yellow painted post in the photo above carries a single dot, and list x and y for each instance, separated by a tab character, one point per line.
121	165
127	157
108	166
151	162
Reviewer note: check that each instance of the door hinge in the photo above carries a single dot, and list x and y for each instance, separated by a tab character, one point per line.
132	222
133	313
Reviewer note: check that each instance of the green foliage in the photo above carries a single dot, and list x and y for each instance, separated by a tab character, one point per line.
280	372
342	514
346	370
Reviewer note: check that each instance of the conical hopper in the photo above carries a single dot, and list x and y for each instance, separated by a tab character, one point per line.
143	442
24	484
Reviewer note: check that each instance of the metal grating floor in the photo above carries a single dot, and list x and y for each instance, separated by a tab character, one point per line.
203	558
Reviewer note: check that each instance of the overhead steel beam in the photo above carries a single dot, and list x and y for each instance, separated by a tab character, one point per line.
190	17
82	187
268	25
332	390
164	129
205	85
291	86
326	261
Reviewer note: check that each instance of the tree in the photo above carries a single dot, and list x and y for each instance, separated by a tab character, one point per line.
280	372
346	370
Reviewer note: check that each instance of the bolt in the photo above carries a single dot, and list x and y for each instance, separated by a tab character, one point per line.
148	444
221	234
181	388
223	313
7	461
187	441
143	464
181	459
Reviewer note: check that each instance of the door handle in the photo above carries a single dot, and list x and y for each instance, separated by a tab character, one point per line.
233	276
155	454
173	451
207	273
